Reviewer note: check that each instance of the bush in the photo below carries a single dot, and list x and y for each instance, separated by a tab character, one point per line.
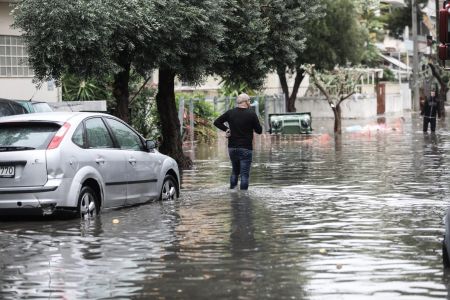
204	115
144	114
84	89
388	75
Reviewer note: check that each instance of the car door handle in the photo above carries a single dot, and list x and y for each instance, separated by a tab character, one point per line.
132	161
100	161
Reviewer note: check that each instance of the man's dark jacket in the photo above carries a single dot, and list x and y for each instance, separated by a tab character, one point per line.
430	108
242	122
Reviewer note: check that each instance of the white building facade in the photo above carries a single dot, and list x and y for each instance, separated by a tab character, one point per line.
16	76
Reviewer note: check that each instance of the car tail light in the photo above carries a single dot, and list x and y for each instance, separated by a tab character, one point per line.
56	140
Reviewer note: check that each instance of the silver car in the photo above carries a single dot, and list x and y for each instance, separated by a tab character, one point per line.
446	241
79	162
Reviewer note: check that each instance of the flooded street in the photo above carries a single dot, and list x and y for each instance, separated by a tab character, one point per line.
358	217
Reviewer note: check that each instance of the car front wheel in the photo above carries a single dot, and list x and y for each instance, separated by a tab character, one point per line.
169	189
87	203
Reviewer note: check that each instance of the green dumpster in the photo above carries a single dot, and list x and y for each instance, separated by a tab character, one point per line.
290	123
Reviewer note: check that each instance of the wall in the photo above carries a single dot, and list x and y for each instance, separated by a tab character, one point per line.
406	96
6	20
354	107
25	89
95	105
398	99
272	84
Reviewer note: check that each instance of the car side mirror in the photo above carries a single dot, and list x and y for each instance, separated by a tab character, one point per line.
150	145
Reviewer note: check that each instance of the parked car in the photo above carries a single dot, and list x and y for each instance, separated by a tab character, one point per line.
446	241
80	163
10	107
35	106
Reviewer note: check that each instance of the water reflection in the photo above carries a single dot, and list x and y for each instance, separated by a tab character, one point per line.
73	260
242	230
353	217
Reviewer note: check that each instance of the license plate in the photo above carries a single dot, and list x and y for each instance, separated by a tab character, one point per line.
7	171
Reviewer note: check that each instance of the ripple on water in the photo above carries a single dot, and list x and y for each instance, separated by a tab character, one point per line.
353	218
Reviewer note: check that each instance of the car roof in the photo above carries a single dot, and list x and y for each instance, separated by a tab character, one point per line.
8	101
30	101
50	116
21	100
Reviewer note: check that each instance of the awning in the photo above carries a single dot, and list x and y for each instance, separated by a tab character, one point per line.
396	62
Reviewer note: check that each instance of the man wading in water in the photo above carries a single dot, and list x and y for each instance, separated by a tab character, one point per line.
429	112
242	121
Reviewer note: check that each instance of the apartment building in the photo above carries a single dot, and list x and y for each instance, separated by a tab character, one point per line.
16	76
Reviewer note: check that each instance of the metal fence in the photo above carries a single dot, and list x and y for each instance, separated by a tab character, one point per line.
262	104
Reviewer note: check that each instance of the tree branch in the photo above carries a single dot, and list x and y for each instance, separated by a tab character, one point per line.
436	74
319	85
353	87
346	97
140	89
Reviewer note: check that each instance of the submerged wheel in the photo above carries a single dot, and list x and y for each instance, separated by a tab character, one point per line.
87	203
169	190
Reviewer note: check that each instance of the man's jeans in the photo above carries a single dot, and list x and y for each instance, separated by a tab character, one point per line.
241	160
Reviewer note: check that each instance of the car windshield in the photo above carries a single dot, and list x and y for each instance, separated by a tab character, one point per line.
5	110
26	136
41	107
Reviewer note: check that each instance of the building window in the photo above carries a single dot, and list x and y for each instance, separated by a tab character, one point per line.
14	57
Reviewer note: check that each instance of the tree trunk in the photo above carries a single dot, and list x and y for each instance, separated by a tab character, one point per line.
121	93
290	99
442	91
170	125
337	119
284	87
298	80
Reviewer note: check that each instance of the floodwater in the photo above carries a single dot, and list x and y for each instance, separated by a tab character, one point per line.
359	217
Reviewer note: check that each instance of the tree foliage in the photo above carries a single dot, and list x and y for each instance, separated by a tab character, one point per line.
287	22
112	38
336	85
333	37
244	58
185	47
397	18
88	39
189	39
373	27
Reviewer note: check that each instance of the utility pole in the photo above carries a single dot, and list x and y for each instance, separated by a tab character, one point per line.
415	87
438	4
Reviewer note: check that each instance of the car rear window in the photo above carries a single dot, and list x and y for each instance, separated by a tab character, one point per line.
29	135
